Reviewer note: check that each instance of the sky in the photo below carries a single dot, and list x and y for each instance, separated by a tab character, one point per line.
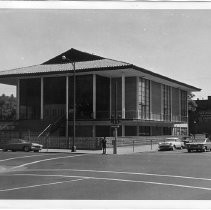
173	43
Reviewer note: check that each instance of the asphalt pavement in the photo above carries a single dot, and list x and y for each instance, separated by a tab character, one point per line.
140	175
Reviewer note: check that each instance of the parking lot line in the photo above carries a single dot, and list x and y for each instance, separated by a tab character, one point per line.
14	158
38	161
107	179
39	185
124	172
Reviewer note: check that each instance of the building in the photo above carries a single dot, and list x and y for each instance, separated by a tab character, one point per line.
200	118
147	103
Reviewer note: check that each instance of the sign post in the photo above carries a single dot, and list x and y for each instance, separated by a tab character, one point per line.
115	121
115	139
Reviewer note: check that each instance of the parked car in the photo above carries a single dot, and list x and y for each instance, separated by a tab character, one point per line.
185	140
22	145
170	144
199	145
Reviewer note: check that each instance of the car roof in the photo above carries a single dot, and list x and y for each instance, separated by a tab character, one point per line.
172	138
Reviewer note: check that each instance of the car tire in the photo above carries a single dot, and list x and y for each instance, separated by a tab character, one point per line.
189	150
36	150
26	149
13	150
4	150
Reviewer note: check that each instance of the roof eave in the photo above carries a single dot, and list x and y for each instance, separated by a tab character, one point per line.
192	88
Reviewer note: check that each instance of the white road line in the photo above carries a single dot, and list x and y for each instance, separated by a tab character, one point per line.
38	161
119	180
124	172
38	185
14	158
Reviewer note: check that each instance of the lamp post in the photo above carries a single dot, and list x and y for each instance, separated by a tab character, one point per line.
115	121
73	149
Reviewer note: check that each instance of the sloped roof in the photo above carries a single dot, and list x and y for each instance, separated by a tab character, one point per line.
84	62
67	67
73	55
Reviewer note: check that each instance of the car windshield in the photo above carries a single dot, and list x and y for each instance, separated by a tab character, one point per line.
171	140
18	141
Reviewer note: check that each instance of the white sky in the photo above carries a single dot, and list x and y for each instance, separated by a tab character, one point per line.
173	43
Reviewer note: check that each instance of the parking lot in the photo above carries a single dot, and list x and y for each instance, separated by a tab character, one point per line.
170	175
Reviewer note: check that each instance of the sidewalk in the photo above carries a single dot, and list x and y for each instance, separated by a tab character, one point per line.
120	150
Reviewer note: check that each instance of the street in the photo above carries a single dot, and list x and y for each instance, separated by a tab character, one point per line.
170	175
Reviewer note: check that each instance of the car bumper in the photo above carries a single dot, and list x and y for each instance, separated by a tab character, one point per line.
36	148
165	147
196	147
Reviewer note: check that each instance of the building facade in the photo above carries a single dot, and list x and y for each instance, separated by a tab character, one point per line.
146	103
200	118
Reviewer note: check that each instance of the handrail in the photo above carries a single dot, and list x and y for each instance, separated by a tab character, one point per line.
44	130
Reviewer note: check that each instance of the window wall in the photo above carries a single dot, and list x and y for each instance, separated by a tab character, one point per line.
183	96
166	103
84	96
54	97
144	130
102	97
30	98
144	98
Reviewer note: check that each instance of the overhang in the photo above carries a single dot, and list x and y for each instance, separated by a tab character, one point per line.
103	66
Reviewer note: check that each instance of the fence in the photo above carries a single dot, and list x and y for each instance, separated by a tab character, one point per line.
88	143
52	142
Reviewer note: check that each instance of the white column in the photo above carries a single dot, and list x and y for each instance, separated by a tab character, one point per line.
123	96
110	86
137	98
123	130
67	103
94	131
162	97
137	130
41	105
150	99
18	100
171	103
180	105
187	114
94	96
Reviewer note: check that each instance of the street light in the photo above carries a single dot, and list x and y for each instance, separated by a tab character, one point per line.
74	109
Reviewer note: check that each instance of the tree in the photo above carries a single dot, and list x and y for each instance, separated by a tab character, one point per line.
192	105
7	107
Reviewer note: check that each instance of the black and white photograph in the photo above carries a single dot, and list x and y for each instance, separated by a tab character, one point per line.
105	107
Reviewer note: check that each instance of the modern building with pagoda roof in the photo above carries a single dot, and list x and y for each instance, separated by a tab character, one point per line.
147	103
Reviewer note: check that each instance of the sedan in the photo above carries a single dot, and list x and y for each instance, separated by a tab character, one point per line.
170	144
202	145
22	145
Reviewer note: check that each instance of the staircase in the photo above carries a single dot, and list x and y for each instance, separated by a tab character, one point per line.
52	127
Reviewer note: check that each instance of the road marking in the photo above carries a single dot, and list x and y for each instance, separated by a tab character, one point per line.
38	185
119	180
21	157
124	172
38	161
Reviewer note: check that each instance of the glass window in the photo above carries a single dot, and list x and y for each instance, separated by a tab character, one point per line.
183	97
30	97
144	98
144	131
166	103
